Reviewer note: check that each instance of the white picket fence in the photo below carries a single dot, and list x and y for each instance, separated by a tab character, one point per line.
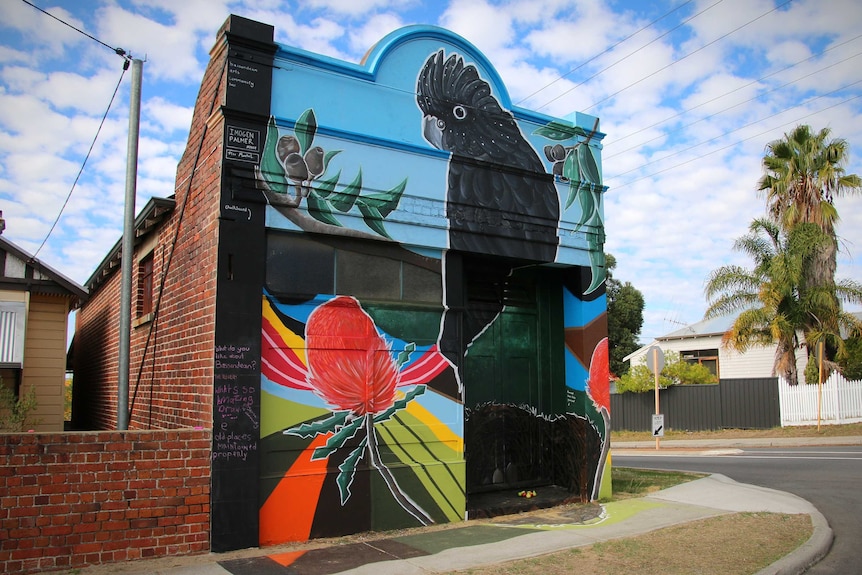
840	402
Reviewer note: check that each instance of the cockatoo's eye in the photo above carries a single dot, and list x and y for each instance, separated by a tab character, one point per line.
459	112
441	125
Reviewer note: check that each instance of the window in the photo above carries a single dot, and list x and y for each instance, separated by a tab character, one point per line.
145	286
708	358
298	266
10	377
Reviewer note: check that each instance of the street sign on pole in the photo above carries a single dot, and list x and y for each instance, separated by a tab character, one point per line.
655	359
655	363
658	425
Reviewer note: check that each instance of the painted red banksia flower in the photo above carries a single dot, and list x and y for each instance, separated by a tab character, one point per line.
599	386
350	365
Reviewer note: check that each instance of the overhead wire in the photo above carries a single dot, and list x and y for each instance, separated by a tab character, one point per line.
722	111
678	60
126	60
84	163
738	88
736	143
630	54
605	51
118	51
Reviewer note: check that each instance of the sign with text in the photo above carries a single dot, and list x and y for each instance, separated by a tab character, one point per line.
658	425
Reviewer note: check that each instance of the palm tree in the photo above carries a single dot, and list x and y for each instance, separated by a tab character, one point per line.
803	174
772	307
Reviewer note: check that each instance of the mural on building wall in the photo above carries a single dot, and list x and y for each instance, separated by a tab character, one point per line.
363	414
599	392
355	409
292	169
498	200
577	166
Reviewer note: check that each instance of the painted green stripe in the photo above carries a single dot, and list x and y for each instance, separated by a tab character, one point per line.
438	479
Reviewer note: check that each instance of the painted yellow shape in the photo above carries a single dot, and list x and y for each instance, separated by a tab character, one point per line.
293	341
440	430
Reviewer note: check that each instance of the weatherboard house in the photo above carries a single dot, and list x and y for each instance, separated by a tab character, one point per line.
381	286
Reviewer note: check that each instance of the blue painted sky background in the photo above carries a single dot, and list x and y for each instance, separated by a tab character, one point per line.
688	92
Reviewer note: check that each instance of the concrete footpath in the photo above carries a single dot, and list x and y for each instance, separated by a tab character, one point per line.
484	542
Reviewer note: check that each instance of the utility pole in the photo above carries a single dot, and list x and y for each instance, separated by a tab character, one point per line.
128	247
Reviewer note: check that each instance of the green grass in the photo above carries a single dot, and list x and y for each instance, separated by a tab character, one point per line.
627	482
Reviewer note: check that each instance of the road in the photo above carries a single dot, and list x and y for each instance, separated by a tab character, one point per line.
828	477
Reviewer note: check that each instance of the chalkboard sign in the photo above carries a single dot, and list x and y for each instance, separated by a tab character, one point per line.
235	403
240	272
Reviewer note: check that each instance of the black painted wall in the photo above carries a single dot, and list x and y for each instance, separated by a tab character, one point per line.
241	256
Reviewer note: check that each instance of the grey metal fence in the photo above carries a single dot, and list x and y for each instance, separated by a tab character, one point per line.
732	403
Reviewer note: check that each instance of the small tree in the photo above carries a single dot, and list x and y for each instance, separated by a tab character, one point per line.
625	318
15	412
676	371
851	363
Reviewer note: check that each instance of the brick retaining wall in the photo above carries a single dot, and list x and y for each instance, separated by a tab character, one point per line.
69	500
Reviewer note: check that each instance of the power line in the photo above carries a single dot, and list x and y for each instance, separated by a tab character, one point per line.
605	51
762	78
672	154
117	51
759	96
606	98
630	54
738	141
87	157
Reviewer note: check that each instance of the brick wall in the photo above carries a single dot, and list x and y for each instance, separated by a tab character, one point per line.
77	499
172	356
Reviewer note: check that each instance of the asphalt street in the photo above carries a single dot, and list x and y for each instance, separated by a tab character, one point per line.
826	476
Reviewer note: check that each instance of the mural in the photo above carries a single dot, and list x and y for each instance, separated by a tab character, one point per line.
498	199
292	169
577	166
599	392
353	402
389	396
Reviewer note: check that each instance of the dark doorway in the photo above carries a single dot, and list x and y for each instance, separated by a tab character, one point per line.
506	383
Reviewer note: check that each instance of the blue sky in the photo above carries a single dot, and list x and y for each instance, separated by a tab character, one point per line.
688	93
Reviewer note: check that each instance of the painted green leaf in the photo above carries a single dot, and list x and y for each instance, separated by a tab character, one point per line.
570	167
372	218
404	355
589	167
559	132
270	167
324	187
385	202
585	198
328	156
347	470
306	128
338	440
595	220
343	200
320	211
597	267
573	193
400	404
309	430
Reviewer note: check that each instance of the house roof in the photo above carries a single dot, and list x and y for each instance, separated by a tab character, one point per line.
33	275
148	218
703	328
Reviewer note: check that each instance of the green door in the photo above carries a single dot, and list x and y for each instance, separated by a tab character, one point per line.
503	392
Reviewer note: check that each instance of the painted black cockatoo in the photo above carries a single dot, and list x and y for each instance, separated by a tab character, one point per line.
500	199
502	206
